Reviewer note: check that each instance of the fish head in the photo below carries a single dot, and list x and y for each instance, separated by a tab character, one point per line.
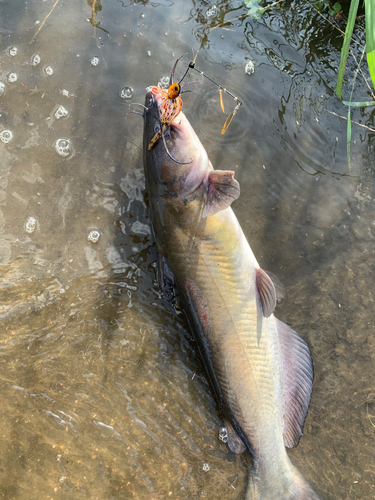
182	178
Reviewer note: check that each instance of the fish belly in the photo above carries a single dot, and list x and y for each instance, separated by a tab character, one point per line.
217	282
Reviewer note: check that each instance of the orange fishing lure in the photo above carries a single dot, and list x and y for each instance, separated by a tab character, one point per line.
170	108
171	104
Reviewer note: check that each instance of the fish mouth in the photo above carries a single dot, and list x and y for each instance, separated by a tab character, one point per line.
153	102
154	97
150	98
151	114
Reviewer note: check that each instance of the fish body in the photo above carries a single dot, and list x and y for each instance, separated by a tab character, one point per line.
260	369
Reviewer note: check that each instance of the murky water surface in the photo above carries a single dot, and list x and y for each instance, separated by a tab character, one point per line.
103	394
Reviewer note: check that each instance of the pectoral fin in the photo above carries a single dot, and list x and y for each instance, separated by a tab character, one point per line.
267	292
222	189
165	275
279	287
235	443
298	373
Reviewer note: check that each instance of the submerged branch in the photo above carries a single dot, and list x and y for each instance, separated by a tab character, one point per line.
45	19
345	118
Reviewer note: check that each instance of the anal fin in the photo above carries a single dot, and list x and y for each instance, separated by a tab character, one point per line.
222	189
298	374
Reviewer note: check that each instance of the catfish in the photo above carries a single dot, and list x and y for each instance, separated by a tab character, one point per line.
260	369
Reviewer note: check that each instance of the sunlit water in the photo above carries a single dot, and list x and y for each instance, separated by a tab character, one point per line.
103	393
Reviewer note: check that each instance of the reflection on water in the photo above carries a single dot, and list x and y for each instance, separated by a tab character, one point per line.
104	395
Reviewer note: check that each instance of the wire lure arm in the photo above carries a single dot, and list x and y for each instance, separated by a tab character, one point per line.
221	89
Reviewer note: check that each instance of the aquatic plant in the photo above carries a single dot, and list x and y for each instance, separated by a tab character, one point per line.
370	51
370	40
335	10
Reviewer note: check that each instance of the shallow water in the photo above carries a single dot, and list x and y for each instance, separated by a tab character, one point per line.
103	394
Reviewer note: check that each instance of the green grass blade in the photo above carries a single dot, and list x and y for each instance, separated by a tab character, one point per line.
345	46
370	37
349	137
359	104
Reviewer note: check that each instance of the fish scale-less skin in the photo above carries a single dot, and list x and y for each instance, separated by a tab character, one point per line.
239	360
216	271
245	369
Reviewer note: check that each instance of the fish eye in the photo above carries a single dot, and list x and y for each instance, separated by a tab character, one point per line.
176	88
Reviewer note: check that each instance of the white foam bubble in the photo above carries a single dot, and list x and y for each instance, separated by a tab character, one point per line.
249	67
6	136
13	51
93	236
94	61
2	88
223	435
62	147
30	225
35	60
126	93
48	70
163	83
60	112
12	77
212	11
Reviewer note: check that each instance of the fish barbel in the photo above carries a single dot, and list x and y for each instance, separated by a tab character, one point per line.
260	369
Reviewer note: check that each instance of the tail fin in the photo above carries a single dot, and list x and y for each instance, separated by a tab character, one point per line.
287	486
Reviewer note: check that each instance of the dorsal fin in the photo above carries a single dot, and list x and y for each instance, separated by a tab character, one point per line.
222	189
266	292
298	374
